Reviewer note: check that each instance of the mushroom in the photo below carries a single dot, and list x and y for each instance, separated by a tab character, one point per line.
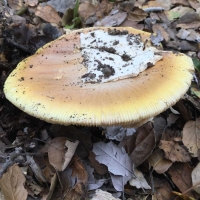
59	85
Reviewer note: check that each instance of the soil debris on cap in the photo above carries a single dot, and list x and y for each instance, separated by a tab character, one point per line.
115	55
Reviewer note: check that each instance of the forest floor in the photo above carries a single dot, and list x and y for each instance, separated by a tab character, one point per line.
165	152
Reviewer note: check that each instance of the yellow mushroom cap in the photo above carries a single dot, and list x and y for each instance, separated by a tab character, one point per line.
48	85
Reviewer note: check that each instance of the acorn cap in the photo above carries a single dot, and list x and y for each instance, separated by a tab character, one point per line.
48	86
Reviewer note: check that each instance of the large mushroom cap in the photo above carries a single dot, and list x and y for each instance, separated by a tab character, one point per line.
48	85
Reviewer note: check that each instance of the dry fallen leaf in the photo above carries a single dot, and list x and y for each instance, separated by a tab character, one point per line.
162	190
174	152
60	152
15	4
31	2
181	177
61	5
117	161
115	18
139	181
93	183
178	12
51	189
196	178
191	137
99	168
137	15
180	2
114	157
48	13
103	8
80	175
159	163
86	10
12	184
133	24
144	144
194	4
162	30
103	195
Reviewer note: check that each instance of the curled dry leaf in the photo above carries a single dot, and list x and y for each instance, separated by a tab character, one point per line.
180	2
139	181
194	25
196	178
60	152
47	13
191	137
190	35
12	184
174	152
159	163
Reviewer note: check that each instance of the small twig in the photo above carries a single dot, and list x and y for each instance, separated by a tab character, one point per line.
191	188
